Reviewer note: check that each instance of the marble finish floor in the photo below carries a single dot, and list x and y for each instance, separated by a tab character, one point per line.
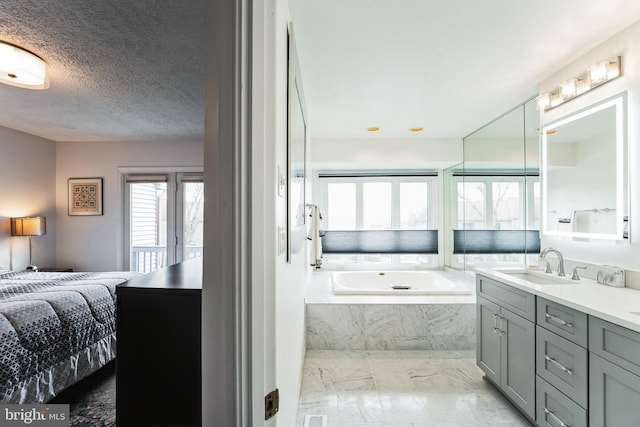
401	389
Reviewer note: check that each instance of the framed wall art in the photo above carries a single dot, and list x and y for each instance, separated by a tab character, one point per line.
85	196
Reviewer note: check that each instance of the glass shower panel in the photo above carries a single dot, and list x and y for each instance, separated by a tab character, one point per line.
498	192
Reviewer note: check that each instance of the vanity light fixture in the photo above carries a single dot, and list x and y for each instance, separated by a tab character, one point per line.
21	68
598	74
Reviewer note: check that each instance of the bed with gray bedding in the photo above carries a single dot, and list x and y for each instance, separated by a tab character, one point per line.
55	329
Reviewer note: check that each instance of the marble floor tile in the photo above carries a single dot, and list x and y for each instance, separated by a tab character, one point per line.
401	389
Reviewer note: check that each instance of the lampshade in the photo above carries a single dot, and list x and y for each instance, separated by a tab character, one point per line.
29	226
21	68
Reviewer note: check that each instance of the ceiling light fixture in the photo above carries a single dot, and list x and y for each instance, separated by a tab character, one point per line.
373	129
416	129
21	68
596	75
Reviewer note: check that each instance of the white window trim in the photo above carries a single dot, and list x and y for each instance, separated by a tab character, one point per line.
525	183
432	196
434	204
175	217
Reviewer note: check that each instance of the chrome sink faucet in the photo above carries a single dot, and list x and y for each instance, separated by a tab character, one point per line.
544	253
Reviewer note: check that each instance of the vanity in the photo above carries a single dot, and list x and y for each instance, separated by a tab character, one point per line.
564	352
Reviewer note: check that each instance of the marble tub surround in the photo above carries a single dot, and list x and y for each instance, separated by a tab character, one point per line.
391	326
401	389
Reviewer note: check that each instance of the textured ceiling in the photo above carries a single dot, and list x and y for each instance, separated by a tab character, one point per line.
119	69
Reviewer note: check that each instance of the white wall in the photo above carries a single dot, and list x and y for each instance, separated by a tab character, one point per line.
27	187
626	44
95	243
381	153
290	277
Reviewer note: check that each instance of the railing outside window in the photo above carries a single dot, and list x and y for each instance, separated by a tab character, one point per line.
145	259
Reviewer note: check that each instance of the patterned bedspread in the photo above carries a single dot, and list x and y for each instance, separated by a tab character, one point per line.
55	328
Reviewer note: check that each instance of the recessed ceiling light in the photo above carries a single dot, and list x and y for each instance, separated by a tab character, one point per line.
21	68
373	129
416	129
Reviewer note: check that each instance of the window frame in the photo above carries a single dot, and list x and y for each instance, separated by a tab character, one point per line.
175	209
431	179
526	181
526	209
384	261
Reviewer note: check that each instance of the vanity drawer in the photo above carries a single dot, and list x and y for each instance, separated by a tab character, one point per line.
562	364
614	343
564	321
513	299
554	409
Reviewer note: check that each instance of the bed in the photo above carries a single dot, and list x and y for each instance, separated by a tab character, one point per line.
55	329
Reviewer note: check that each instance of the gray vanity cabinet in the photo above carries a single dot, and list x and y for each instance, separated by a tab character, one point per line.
561	365
506	341
614	375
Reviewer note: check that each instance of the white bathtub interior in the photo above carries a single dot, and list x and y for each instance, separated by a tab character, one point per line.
319	289
405	283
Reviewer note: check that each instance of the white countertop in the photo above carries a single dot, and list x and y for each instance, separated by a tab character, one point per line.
616	305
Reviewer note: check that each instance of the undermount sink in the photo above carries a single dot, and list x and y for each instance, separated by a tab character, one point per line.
537	277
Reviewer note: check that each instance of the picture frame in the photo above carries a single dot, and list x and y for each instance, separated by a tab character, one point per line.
85	196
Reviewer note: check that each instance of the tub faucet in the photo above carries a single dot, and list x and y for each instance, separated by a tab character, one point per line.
544	253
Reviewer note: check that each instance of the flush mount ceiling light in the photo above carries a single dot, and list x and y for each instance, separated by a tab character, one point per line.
373	129
596	75
416	129
21	68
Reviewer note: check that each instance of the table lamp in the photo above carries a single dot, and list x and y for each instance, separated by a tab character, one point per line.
29	226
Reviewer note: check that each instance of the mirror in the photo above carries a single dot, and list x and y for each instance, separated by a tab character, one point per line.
296	155
584	173
495	217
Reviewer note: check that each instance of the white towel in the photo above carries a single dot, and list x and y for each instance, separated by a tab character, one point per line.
315	235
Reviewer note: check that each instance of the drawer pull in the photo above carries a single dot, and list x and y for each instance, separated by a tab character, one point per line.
558	320
555	418
559	365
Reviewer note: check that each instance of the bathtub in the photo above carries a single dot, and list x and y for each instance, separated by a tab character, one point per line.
396	283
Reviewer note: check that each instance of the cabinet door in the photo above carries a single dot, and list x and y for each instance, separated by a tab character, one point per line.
614	395
518	361
488	339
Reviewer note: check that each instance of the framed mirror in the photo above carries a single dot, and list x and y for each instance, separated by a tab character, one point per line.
585	173
296	155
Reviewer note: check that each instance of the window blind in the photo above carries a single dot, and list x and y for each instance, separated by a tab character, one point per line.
496	241
380	241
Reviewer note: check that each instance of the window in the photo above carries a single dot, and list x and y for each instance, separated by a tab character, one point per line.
379	202
496	202
164	219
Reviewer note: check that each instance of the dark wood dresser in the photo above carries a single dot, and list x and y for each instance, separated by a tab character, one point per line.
158	372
